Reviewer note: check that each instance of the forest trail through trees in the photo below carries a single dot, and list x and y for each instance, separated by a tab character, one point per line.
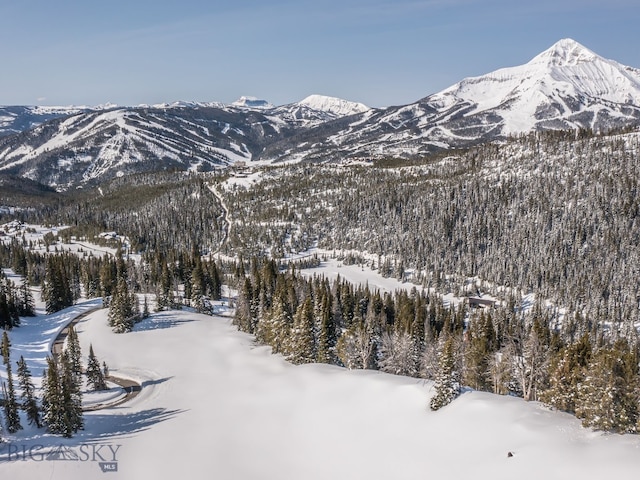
225	216
131	387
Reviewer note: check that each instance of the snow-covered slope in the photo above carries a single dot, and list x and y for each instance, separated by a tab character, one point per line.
566	84
252	103
215	405
316	110
93	146
335	106
565	87
15	119
96	146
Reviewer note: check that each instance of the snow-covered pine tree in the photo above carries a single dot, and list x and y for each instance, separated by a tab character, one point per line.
356	346
302	335
27	306
107	276
145	308
71	390
326	328
53	411
56	291
429	359
164	298
244	312
197	283
5	346
95	375
274	328
213	280
399	354
480	346
447	384
62	397
567	373
10	404
73	349
122	308
608	397
28	395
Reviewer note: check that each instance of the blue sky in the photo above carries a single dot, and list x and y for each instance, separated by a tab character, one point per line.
377	52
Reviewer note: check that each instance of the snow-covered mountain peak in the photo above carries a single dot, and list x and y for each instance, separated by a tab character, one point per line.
333	105
562	87
565	52
252	102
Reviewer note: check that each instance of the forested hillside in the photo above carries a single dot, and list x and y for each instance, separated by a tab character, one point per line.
546	226
539	214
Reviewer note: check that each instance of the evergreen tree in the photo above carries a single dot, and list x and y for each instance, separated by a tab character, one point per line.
608	397
10	403
57	292
567	373
198	289
95	375
107	276
356	346
29	402
213	281
326	329
122	308
399	355
145	308
53	408
302	335
480	345
9	316
164	297
447	386
71	389
275	328
5	346
244	307
27	307
73	349
62	397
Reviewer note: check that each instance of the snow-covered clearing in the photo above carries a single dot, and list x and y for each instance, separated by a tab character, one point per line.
35	235
364	276
215	405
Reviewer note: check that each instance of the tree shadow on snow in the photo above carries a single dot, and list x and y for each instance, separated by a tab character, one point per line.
103	426
148	383
159	321
100	428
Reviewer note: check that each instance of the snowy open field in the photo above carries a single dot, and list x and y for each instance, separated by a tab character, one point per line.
215	405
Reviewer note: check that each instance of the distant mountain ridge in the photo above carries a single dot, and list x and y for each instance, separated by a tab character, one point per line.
16	119
565	87
89	146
